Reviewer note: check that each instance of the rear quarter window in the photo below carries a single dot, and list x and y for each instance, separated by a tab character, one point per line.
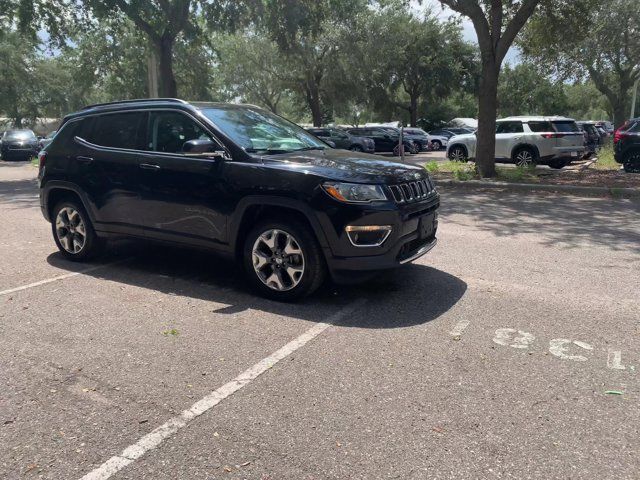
540	127
565	127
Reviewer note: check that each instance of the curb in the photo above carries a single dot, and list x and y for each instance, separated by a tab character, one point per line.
532	187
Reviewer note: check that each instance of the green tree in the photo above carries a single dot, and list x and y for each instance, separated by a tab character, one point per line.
581	39
407	62
497	23
524	91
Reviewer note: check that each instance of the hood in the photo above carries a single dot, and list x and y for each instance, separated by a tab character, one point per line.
462	137
346	166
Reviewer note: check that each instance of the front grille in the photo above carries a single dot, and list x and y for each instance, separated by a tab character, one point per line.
412	191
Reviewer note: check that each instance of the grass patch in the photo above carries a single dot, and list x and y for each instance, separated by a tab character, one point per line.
35	162
517	174
605	160
460	171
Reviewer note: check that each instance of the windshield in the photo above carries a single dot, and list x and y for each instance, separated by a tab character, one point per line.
260	131
19	135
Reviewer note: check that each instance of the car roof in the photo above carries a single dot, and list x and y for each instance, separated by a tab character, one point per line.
536	118
155	102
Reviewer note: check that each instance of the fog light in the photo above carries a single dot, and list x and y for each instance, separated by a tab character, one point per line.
368	235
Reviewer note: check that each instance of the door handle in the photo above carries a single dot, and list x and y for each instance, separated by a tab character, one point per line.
150	166
84	159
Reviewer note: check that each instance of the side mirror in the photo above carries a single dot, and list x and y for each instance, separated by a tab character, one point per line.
202	148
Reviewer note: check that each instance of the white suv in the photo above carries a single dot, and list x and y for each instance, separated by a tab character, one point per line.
525	141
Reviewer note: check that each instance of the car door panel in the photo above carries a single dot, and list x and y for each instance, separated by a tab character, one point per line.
183	197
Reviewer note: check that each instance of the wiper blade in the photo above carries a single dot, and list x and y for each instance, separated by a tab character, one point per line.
306	149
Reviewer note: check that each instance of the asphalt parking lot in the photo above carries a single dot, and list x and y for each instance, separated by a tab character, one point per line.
510	351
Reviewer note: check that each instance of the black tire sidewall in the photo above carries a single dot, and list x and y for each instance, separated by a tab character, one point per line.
356	148
315	269
90	248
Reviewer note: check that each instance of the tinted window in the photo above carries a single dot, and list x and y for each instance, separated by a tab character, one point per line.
565	127
118	130
437	132
509	127
339	134
320	132
635	127
168	132
540	126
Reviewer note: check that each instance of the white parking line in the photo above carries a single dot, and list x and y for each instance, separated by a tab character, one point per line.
59	277
168	429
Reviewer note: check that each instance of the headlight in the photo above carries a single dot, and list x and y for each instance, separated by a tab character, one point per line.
355	192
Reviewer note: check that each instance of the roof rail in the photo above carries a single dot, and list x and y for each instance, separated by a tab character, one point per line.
137	100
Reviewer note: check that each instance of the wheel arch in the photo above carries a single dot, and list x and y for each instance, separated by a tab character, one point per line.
528	146
54	193
253	209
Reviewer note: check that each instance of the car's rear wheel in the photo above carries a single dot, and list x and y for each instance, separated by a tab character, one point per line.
73	232
437	144
632	163
283	260
558	164
458	154
524	157
356	148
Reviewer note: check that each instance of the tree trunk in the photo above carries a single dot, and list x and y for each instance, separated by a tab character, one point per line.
413	111
488	109
167	84
313	100
621	111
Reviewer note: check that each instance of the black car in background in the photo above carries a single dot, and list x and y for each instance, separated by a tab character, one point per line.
237	180
450	132
420	143
627	146
342	139
18	144
385	140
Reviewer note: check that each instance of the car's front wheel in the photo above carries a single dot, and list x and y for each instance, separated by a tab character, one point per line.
73	232
437	144
458	154
283	260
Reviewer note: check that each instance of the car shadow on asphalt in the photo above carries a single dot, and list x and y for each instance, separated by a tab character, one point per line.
557	220
19	193
411	295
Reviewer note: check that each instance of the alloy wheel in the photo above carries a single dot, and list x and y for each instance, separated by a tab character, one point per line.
278	260
71	230
524	158
458	155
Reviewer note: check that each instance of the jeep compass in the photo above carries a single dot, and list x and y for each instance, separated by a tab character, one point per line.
238	180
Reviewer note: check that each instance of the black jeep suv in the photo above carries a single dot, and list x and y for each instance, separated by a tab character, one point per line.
236	179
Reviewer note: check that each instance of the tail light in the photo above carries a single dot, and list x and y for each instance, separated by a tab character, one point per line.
42	158
553	135
618	135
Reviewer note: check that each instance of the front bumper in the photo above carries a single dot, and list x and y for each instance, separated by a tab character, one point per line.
413	235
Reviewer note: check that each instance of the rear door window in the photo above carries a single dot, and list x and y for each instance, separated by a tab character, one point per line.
509	127
119	130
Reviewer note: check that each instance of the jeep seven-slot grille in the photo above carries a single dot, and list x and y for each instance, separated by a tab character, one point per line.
412	191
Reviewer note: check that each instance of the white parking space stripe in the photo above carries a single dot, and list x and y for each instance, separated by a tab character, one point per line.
168	429
59	277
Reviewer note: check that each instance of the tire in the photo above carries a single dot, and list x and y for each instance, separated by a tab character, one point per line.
437	145
631	163
278	275
558	164
396	151
525	157
73	231
458	154
356	148
414	149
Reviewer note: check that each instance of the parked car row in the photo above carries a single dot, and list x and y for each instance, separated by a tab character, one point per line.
525	141
386	139
22	144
